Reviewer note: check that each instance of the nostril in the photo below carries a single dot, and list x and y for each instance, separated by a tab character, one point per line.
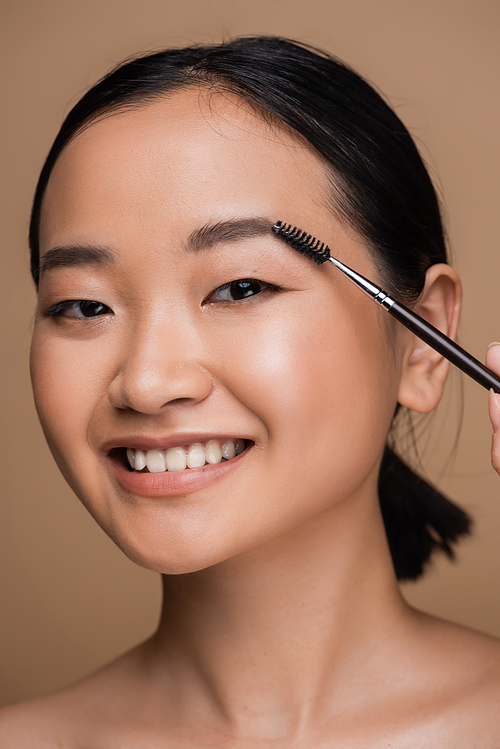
149	388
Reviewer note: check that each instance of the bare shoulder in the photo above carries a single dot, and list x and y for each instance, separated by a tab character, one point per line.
474	654
30	724
78	717
64	720
464	681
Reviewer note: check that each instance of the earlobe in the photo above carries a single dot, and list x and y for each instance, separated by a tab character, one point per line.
424	371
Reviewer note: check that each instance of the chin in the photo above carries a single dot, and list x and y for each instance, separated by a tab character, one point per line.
168	556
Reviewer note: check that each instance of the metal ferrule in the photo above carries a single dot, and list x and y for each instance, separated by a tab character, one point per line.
376	293
384	299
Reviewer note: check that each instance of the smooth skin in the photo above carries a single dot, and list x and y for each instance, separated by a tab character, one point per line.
282	624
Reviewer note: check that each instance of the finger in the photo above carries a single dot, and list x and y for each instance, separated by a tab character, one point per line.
494	410
493	357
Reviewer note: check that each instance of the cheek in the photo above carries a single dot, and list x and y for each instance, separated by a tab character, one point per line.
67	385
319	385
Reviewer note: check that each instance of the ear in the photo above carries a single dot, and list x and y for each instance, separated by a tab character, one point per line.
424	371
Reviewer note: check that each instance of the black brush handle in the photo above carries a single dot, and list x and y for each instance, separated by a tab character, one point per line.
445	346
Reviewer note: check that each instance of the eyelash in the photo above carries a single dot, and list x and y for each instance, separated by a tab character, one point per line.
81	304
245	285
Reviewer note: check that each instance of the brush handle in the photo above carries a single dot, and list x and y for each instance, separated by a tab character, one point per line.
445	346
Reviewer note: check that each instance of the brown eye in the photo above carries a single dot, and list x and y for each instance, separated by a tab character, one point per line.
78	308
235	291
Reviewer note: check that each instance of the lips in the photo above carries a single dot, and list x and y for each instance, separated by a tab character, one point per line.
153	471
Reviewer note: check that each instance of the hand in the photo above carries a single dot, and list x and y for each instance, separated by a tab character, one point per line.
493	362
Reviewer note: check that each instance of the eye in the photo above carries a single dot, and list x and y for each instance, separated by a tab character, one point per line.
78	308
236	291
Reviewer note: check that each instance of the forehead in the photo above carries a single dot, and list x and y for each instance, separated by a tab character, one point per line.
191	155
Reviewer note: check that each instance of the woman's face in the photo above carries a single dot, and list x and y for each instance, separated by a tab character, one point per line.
154	215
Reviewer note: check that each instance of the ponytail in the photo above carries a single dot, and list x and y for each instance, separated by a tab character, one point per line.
418	519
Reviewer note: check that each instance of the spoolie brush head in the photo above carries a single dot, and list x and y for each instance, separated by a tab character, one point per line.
302	242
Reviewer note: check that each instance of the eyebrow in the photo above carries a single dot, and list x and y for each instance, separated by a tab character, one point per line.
205	238
76	255
224	232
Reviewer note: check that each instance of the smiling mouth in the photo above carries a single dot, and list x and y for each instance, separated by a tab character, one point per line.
182	457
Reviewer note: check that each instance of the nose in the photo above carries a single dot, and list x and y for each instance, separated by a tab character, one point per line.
158	368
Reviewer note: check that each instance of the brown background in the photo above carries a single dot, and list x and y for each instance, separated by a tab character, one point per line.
70	601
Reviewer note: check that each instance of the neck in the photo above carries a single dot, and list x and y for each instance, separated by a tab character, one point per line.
263	637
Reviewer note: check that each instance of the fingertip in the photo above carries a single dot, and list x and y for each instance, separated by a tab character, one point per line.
493	357
494	409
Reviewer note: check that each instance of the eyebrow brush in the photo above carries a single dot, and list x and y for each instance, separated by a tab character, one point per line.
320	253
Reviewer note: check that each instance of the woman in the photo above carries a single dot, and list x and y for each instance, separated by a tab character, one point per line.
222	407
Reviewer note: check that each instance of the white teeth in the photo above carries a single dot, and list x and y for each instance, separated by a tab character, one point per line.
175	458
228	450
213	452
140	460
196	455
155	461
